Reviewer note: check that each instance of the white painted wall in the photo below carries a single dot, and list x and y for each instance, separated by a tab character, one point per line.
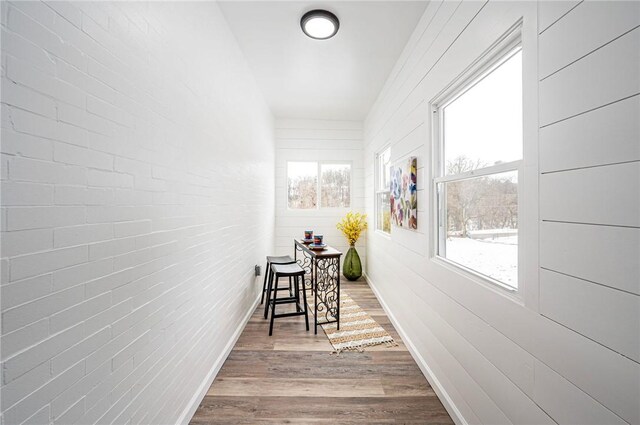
317	140
137	194
567	351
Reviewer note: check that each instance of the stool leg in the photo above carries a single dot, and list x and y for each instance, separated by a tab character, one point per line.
296	288
269	287
273	306
290	288
264	284
304	296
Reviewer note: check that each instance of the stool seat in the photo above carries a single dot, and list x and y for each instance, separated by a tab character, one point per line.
287	270
283	259
273	259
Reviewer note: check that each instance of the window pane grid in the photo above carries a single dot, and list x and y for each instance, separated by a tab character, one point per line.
313	185
480	144
495	169
382	190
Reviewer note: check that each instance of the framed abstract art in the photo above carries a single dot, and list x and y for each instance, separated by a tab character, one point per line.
404	194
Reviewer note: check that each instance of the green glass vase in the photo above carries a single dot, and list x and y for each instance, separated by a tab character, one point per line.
352	268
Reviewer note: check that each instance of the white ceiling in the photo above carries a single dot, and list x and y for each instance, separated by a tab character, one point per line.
338	78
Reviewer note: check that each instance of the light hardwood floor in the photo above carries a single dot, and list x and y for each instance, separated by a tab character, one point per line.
292	378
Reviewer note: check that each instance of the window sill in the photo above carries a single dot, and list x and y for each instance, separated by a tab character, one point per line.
319	210
499	288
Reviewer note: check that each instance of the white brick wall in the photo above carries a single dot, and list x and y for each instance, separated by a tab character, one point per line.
137	184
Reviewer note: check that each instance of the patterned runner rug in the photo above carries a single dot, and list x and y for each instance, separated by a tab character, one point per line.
357	328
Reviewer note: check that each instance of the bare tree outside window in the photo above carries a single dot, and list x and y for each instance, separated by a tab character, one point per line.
481	156
303	191
302	185
481	203
335	185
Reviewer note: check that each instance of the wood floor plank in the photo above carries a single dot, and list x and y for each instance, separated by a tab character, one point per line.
316	364
292	378
297	387
339	409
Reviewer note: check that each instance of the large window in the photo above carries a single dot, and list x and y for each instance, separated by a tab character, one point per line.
306	191
382	179
479	149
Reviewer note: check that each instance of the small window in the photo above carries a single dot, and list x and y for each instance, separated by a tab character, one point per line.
383	208
479	146
306	191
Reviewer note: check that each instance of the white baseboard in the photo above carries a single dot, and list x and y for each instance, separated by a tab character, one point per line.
447	402
195	401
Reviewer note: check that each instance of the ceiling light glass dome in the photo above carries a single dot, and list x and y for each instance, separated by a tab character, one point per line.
319	24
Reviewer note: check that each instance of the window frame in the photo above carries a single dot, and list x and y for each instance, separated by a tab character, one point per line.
493	58
318	186
376	188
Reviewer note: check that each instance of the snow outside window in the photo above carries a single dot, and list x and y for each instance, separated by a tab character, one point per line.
479	149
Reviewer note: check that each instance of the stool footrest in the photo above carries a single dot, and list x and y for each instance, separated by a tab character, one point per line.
298	313
287	300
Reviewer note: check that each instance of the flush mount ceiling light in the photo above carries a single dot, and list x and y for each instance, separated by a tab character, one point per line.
319	24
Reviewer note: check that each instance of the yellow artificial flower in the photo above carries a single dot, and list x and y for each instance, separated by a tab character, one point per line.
352	225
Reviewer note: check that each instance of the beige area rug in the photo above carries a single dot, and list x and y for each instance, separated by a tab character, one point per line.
357	329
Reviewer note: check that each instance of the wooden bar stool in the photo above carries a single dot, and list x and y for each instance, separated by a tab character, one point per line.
284	259
291	271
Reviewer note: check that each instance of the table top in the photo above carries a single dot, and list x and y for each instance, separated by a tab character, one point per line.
325	253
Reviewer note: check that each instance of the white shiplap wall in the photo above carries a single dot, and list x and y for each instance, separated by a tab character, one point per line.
567	351
137	161
317	140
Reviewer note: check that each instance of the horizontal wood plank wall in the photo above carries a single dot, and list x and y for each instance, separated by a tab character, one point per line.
568	351
592	174
317	140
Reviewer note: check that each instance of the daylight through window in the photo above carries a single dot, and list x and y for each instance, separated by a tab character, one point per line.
312	185
302	185
480	151
383	208
335	185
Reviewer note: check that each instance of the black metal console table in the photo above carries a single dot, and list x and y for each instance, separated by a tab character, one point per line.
322	277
